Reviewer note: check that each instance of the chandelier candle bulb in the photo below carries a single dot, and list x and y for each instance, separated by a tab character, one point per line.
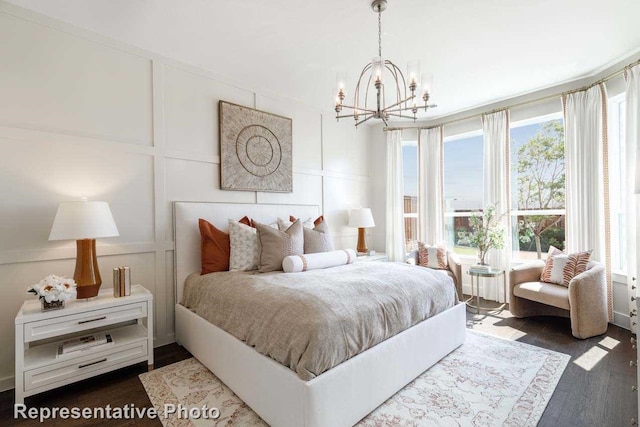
413	71
341	81
378	68
427	85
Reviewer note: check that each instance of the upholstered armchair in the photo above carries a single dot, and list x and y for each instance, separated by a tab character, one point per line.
454	271
584	301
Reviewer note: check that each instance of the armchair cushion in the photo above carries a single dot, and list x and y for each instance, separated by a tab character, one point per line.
561	268
545	293
432	256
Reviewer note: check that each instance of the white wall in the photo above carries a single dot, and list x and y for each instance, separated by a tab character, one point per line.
82	115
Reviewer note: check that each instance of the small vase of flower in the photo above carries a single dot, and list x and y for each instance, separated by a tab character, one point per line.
486	232
53	291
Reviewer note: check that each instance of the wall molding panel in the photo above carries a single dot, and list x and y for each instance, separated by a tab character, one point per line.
139	138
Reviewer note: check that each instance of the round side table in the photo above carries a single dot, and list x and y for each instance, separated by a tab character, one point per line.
493	272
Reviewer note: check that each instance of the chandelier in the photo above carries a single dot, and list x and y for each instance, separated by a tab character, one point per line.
402	103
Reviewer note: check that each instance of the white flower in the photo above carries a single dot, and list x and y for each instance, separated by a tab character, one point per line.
54	288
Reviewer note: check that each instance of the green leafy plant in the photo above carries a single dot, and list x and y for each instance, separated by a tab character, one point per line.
541	182
486	231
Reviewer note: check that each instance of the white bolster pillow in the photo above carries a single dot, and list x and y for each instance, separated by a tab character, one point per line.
298	263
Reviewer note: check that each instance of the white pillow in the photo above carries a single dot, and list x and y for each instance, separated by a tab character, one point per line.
298	263
245	247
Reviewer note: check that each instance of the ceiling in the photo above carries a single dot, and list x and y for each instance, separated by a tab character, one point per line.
478	51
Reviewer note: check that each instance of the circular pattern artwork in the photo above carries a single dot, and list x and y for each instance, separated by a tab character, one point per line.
255	150
258	150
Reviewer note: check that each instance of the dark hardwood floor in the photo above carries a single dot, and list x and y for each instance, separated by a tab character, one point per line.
595	389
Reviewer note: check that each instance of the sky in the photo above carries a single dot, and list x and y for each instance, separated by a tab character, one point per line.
463	168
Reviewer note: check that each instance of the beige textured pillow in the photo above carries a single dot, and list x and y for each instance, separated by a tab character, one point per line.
244	251
278	244
432	256
318	239
561	268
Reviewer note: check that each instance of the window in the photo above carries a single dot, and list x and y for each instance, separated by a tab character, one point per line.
463	188
537	186
410	170
617	182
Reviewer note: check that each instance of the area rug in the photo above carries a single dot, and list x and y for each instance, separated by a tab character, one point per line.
488	381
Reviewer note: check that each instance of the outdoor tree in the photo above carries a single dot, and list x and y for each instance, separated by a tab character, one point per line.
541	181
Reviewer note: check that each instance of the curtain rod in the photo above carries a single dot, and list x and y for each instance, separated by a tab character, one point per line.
519	104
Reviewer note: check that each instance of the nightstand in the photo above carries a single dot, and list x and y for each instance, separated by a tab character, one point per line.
376	257
128	319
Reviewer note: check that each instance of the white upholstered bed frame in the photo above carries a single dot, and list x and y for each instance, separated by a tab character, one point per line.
338	397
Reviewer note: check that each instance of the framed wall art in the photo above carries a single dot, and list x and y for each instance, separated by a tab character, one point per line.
255	150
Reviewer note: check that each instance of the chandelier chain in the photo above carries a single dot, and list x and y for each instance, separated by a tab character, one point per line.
379	33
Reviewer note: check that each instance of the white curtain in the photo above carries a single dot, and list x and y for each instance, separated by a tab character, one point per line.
496	191
395	239
430	186
585	180
632	157
583	157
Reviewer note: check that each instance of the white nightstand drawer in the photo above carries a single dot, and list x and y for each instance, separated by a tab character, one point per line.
42	329
87	366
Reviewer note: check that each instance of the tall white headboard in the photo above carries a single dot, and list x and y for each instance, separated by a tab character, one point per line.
187	235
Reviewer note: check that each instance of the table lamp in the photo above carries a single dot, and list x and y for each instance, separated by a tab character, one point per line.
361	219
84	222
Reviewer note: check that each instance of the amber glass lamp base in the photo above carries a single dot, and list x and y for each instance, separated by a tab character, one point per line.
362	242
87	275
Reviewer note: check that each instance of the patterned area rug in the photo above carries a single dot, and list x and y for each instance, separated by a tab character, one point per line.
488	381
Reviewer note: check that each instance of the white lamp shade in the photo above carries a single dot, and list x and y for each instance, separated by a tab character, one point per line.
361	218
83	220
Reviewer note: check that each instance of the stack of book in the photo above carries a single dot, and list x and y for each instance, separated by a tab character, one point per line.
121	282
480	268
79	344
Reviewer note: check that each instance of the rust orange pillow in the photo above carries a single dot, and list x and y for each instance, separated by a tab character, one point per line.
215	246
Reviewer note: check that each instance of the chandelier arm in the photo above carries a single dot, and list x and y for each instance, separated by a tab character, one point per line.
392	68
366	92
364	120
344	116
404	84
400	116
399	103
358	109
356	94
400	110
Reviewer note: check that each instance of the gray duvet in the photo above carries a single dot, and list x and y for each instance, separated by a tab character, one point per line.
315	320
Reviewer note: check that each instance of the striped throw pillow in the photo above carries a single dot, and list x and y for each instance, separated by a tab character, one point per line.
561	268
432	256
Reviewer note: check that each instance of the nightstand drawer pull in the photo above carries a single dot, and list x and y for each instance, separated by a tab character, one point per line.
92	320
92	363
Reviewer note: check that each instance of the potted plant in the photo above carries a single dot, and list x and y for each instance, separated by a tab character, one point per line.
486	232
53	291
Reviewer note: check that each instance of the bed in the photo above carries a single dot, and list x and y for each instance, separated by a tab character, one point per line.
342	395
